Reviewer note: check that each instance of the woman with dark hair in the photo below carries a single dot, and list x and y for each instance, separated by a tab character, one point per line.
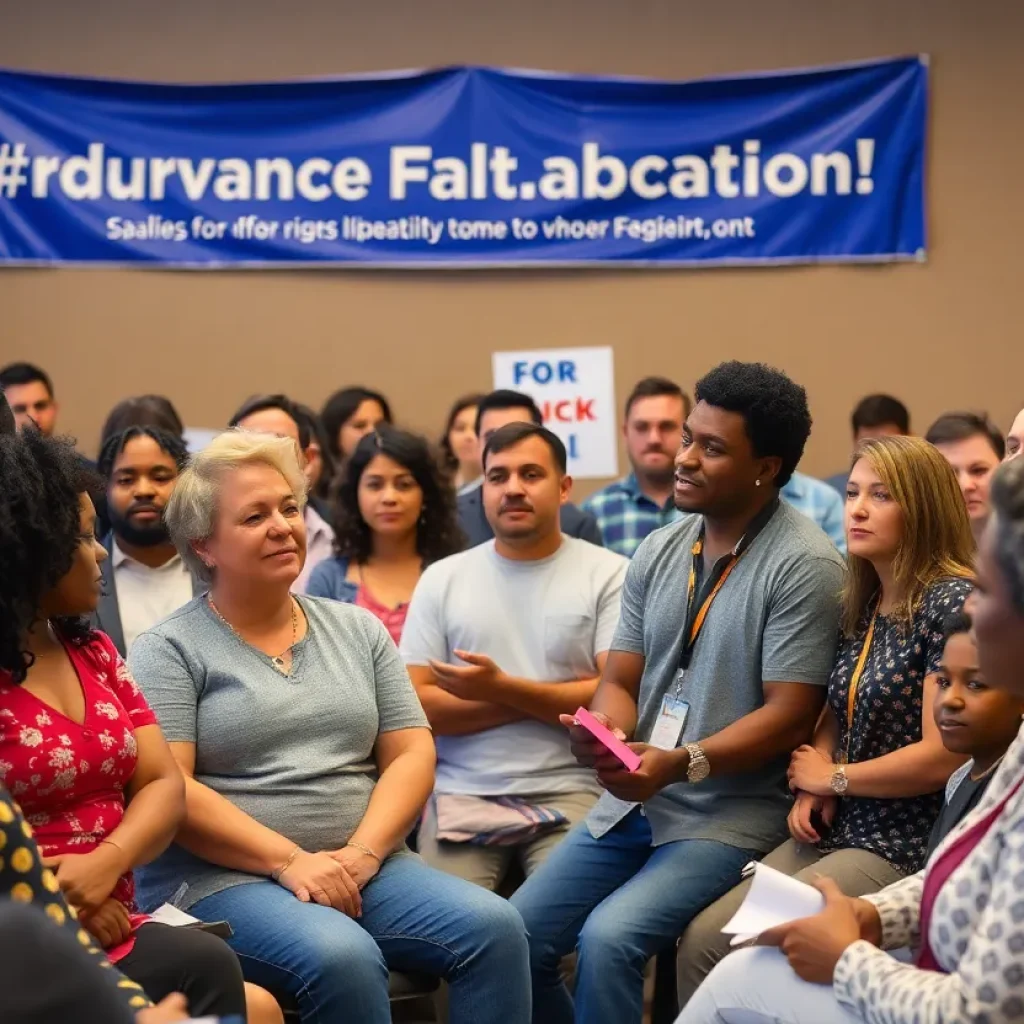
394	515
80	749
349	415
460	446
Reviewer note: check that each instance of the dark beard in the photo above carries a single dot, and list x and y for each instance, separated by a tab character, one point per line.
148	536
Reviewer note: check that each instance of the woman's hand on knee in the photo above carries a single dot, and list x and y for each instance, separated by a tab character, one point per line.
318	878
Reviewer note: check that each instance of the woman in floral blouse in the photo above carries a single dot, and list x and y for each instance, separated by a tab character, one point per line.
963	915
869	787
80	749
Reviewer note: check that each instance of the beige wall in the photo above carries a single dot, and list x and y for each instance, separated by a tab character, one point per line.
944	334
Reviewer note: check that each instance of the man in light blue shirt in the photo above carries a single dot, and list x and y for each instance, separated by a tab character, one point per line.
820	503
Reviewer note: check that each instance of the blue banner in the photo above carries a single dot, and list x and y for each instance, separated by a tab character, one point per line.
466	167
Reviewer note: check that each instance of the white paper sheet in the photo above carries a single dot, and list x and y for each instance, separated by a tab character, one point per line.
773	899
172	916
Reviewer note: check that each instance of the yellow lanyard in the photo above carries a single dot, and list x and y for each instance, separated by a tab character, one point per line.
851	697
702	613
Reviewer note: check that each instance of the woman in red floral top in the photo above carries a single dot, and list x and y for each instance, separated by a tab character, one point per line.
80	749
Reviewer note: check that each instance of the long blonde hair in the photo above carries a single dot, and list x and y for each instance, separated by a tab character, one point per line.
937	541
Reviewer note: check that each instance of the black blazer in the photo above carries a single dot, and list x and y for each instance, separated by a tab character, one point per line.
575	522
107	616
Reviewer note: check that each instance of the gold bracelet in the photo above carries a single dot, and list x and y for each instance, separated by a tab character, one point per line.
364	849
276	875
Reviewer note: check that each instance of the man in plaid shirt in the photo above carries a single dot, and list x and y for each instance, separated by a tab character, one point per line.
629	509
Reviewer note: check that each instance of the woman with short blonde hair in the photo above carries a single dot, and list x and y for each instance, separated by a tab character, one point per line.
869	786
307	760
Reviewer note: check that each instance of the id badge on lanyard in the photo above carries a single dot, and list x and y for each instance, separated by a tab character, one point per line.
668	728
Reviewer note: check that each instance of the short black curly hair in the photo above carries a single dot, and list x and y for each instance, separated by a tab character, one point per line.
437	534
773	407
39	534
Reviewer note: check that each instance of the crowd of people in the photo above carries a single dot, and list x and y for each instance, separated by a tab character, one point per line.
316	685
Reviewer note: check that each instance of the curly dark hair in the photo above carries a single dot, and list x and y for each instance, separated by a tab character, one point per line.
170	443
437	533
39	534
773	407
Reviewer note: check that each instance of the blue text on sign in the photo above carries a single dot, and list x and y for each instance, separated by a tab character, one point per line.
543	372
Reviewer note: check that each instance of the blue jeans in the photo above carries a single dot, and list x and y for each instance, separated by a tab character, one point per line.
415	919
618	901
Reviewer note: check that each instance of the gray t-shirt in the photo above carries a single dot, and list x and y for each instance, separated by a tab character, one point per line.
294	752
776	619
545	620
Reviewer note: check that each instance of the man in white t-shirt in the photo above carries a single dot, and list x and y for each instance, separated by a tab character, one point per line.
500	640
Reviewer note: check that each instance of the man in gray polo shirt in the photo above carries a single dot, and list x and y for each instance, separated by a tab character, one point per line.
719	666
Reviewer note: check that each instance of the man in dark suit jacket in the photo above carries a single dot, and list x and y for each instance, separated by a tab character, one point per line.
144	578
495	411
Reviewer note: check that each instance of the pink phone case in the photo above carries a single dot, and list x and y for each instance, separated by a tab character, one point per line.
608	739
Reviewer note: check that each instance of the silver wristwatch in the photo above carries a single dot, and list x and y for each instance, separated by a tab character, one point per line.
699	767
840	780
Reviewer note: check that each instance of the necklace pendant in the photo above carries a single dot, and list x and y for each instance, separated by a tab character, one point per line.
279	664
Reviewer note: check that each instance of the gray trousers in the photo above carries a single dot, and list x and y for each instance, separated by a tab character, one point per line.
856	872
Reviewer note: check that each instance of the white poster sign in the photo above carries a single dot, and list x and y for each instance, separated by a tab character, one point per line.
575	390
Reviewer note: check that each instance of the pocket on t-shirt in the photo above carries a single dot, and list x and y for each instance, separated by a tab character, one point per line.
569	644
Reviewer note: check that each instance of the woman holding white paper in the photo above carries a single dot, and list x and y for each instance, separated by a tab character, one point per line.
963	914
869	786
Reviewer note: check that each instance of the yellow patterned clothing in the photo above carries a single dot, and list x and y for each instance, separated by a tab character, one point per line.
23	879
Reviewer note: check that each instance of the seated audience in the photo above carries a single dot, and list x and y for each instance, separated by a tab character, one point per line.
974	447
349	415
629	509
500	641
394	515
1015	438
459	446
819	502
875	416
869	786
495	411
277	414
144	411
80	749
961	915
307	760
718	671
319	468
29	392
145	579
